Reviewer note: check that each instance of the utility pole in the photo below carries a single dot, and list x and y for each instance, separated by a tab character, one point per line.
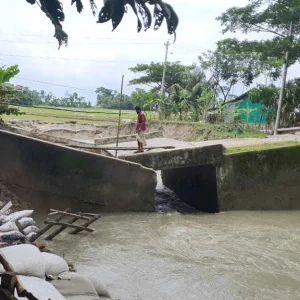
120	112
164	71
284	74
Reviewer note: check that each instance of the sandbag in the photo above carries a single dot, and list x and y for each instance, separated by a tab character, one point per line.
31	235
25	222
40	288
30	229
86	297
16	216
8	212
3	244
11	236
9	226
25	259
54	265
75	286
100	288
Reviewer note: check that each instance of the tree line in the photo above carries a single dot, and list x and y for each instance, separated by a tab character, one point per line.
199	91
30	97
238	61
203	89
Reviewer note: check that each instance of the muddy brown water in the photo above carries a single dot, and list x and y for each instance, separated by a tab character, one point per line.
232	255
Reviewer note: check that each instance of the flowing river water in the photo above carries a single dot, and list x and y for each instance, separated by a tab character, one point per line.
173	256
179	254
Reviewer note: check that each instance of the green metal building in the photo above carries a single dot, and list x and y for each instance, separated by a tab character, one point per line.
252	113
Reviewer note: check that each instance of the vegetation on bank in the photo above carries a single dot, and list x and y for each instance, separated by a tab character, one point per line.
184	130
7	93
205	132
261	147
95	115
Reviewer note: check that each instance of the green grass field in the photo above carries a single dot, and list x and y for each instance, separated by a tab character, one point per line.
261	147
95	115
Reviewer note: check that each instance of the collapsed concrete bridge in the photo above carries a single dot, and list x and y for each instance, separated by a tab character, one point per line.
189	172
212	181
204	177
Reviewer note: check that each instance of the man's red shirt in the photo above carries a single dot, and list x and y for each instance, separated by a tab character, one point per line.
141	121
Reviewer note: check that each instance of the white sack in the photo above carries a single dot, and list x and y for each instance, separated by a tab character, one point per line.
30	235
25	259
75	286
100	288
11	236
9	226
25	222
16	216
40	288
54	265
30	229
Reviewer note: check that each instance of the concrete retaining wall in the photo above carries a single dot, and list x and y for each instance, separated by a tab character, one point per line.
256	180
212	181
63	176
260	180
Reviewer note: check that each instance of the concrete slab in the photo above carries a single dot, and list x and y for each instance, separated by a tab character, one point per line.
227	143
157	142
179	158
87	141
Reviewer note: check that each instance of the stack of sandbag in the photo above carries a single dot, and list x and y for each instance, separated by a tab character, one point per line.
74	286
33	267
16	227
28	264
71	285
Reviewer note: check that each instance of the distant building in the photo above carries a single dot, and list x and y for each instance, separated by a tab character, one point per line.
243	102
17	87
7	84
20	88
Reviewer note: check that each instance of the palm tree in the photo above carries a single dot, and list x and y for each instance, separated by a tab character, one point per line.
7	91
178	96
186	94
112	10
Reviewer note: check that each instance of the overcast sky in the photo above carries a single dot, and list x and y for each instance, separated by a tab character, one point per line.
26	38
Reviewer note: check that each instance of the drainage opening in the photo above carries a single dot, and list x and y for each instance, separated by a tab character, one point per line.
196	186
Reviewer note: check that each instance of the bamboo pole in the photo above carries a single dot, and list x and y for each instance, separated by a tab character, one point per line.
120	112
121	148
5	207
69	225
78	216
42	231
6	295
89	214
8	281
87	223
61	229
20	290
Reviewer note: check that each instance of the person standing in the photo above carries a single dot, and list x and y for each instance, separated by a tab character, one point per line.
140	130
